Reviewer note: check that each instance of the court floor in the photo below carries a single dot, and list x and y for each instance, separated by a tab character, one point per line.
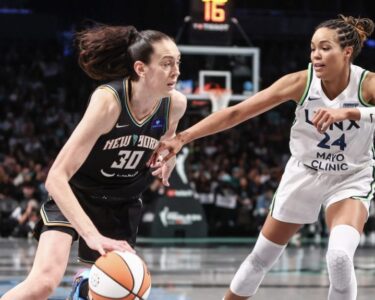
195	272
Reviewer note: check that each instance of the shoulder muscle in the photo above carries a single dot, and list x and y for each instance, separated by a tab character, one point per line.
178	104
177	110
290	87
368	88
103	110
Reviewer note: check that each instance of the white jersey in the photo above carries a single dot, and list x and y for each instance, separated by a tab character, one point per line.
346	146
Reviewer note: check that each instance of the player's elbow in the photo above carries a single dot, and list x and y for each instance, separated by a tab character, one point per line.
237	115
52	181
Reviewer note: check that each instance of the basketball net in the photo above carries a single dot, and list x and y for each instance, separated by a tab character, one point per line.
219	98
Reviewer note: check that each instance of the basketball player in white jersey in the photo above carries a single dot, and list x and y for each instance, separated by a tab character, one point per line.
332	161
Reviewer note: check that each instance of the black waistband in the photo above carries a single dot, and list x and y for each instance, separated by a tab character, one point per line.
113	199
102	197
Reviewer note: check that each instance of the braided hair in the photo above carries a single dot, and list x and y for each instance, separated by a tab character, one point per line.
351	31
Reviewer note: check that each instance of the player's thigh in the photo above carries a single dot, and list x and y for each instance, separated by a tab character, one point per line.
348	211
52	255
279	232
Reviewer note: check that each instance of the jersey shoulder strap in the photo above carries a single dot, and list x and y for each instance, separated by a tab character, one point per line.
117	88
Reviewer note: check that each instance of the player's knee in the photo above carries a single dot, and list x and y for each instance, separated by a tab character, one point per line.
48	285
339	269
45	281
251	272
249	276
40	288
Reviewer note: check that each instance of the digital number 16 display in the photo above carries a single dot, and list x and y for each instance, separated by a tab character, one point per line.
214	11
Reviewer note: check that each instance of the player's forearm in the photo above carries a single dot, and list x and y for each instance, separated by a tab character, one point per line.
58	187
214	123
229	117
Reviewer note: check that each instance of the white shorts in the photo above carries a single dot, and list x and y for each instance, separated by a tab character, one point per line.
302	191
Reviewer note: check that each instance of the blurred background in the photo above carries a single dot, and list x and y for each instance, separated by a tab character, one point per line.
223	185
232	175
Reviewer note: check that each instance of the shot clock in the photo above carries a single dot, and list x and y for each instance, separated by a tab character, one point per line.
215	11
210	22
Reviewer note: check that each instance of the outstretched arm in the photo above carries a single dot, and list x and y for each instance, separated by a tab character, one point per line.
286	88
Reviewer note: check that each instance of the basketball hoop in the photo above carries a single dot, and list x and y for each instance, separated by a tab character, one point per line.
219	98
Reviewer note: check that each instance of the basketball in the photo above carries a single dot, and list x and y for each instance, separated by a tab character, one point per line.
119	275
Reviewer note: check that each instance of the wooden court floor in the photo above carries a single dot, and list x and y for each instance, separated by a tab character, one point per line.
186	273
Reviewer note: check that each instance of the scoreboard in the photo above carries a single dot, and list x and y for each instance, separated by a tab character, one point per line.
210	22
215	10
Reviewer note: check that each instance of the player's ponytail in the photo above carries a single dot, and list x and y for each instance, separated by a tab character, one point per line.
363	26
109	52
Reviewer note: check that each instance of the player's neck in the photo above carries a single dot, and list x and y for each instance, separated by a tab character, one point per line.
336	85
142	101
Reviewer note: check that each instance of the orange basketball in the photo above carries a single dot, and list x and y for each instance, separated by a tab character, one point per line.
121	276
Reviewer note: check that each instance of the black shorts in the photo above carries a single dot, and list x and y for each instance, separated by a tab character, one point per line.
114	219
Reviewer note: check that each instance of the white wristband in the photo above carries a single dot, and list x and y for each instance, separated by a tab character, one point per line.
367	114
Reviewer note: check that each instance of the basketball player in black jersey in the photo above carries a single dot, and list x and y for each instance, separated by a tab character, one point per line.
96	182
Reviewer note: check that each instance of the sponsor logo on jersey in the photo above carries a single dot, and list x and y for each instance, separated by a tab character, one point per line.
158	123
312	98
121	126
329	162
105	174
350	105
109	175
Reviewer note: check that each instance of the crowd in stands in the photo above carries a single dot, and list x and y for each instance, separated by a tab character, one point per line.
36	117
234	174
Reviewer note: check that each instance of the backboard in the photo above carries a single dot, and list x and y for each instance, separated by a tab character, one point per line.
230	68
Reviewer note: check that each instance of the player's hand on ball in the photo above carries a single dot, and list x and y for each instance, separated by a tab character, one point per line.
103	244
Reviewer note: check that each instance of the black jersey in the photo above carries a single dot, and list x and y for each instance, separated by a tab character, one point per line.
116	166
